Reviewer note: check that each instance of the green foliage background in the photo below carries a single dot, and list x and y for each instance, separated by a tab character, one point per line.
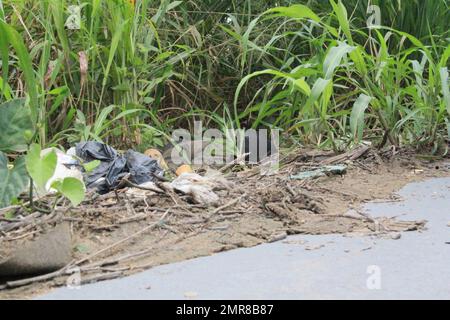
157	65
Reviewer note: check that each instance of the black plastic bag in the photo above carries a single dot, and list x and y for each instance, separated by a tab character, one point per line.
113	166
141	167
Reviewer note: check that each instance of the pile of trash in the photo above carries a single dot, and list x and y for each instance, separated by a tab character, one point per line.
113	166
200	189
143	171
44	240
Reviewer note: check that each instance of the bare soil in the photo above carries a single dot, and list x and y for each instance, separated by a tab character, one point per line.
116	235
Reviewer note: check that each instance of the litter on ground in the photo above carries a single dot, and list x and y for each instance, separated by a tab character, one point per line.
323	171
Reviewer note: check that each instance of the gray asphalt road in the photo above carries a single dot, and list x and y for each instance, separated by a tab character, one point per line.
416	266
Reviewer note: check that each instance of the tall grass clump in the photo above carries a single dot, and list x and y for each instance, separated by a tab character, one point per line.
133	70
353	85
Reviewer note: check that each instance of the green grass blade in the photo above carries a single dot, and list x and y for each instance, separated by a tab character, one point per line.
357	116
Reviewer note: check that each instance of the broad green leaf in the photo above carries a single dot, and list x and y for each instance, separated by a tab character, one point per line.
334	58
341	14
413	40
9	35
303	86
444	58
41	169
357	116
296	11
318	88
72	188
15	119
13	180
288	76
100	120
357	57
247	78
326	97
173	5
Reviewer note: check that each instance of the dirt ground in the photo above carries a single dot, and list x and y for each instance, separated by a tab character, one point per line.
116	234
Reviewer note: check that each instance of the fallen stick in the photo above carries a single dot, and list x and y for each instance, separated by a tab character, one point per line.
48	276
231	212
6	209
23	205
9	220
101	277
169	191
228	218
21	236
114	261
144	266
104	269
24	222
350	155
133	185
229	204
137	217
277	237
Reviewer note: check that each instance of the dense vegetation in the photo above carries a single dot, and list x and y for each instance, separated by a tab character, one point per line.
138	68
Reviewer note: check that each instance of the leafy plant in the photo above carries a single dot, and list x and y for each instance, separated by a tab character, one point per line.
296	65
9	36
391	92
71	188
13	179
15	120
41	168
357	116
